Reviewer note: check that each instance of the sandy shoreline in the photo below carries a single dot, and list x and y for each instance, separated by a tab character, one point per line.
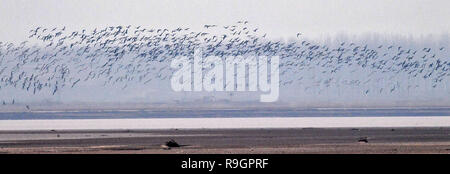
230	141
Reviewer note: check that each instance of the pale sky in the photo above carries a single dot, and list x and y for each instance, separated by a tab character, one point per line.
278	18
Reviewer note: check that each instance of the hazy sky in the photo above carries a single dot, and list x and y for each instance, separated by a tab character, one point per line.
277	17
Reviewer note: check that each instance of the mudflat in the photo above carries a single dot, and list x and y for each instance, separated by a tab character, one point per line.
230	141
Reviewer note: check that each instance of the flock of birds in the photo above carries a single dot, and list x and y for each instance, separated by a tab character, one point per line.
119	55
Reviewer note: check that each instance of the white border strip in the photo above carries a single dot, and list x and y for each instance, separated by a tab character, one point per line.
225	123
